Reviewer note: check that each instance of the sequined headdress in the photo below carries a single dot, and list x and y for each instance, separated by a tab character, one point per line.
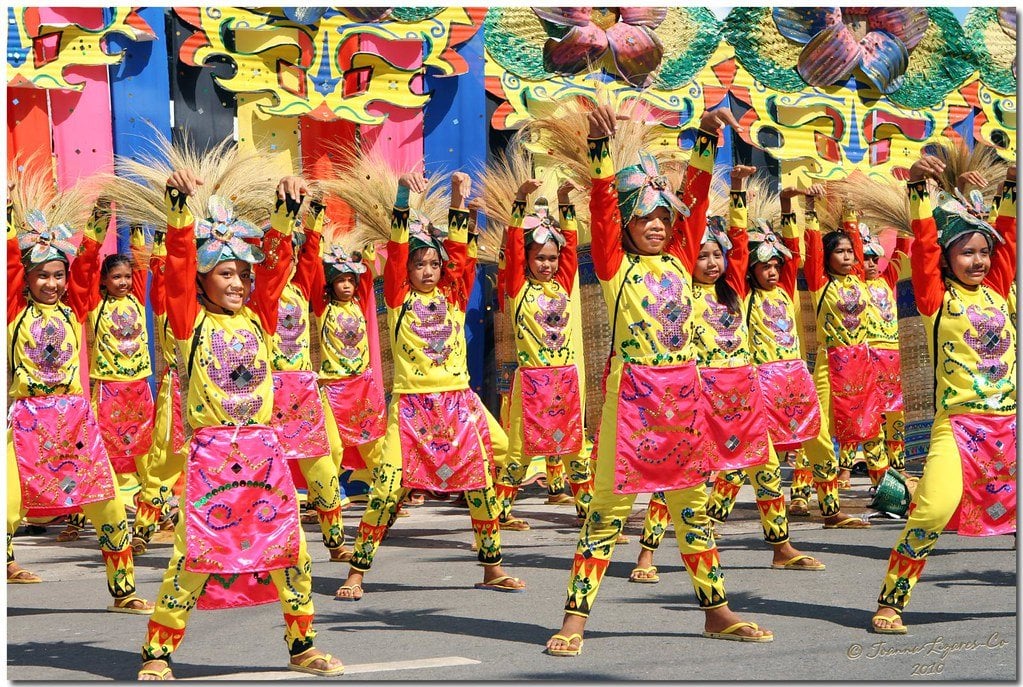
765	244
221	236
642	188
958	216
337	262
871	245
541	227
717	231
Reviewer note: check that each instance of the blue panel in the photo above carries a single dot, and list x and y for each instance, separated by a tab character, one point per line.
455	139
140	102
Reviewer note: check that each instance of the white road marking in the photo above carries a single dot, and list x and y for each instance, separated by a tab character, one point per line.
285	674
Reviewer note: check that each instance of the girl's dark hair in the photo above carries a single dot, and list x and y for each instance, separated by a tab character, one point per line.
419	252
831	241
726	295
112	261
946	269
751	277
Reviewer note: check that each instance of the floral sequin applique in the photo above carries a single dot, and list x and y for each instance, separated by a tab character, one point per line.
879	296
552	316
670	307
290	328
51	352
433	327
988	341
725	325
126	329
850	305
776	317
235	370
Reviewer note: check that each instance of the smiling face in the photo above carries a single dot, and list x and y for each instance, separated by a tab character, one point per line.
709	263
424	269
228	285
766	274
47	282
117	280
649	233
969	259
542	261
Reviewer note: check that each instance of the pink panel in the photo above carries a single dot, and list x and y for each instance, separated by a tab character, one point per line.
400	137
82	125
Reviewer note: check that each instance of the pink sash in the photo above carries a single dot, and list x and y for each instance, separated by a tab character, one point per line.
62	462
552	423
240	506
358	406
236	590
298	415
126	417
790	399
445	441
660	426
735	417
987	447
888	367
855	405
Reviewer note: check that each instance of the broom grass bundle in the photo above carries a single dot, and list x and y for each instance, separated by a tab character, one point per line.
366	181
34	189
243	177
878	203
562	133
831	207
959	159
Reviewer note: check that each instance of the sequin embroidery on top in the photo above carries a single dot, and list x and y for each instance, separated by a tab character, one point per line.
725	325
669	307
879	296
988	341
776	317
290	328
126	329
552	316
51	352
433	327
348	330
850	305
235	370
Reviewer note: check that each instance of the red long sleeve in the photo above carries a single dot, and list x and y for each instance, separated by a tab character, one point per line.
688	232
928	284
1003	259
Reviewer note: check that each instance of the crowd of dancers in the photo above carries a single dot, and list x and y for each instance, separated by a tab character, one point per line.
704	386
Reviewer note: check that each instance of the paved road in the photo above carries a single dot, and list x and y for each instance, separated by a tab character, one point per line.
422	620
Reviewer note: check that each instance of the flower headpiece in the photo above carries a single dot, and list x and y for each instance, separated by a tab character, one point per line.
765	244
871	245
541	227
642	189
717	231
221	236
956	218
40	243
337	262
424	234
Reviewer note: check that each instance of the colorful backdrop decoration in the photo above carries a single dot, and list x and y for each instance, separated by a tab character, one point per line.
821	92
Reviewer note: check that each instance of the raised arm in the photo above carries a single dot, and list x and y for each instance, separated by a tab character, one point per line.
182	263
851	227
813	264
928	285
309	272
459	274
157	267
568	260
515	250
16	300
687	232
84	276
364	289
894	267
1003	260
605	217
272	274
139	271
790	237
396	268
738	222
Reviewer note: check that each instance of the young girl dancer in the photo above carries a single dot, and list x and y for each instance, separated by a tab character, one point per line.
167	453
235	463
888	448
439	436
56	461
545	416
353	403
298	415
843	374
644	250
961	272
737	444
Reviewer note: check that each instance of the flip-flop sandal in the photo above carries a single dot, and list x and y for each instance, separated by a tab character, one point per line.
514	525
567	640
70	533
351	588
731	633
305	666
649	575
560	500
499	584
341	555
849	523
794	563
163	674
899	629
24	577
798	507
139	546
124	606
415	500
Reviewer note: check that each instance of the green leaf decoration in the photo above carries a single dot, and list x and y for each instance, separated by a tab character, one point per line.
514	37
939	64
762	50
690	35
994	49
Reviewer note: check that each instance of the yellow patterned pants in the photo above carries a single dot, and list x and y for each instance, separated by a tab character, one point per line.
386	493
802	477
108	517
608	513
161	468
180	592
934	503
820	450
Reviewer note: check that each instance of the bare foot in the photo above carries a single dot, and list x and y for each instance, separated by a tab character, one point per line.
155	669
721	618
570	625
351	590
